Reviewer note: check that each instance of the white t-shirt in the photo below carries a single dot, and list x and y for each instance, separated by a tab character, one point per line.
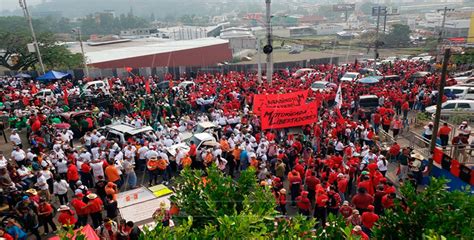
98	168
18	155
142	152
60	187
41	183
15	138
61	166
382	166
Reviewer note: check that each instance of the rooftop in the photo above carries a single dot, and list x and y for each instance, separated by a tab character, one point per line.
141	47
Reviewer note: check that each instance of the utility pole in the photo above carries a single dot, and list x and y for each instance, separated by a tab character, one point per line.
376	49
24	7
441	33
259	64
444	73
269	43
84	59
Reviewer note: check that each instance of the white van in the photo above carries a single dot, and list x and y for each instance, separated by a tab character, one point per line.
461	92
350	76
451	107
90	88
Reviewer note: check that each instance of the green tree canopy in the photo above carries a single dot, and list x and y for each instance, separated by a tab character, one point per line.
399	36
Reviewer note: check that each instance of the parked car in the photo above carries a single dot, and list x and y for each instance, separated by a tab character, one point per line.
452	107
368	103
202	140
350	76
303	71
121	132
320	85
418	75
392	78
461	92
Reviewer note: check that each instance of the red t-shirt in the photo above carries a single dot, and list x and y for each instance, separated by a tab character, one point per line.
67	218
78	205
362	201
95	205
311	182
303	203
72	174
369	218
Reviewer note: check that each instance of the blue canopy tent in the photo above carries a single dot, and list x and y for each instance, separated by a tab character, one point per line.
53	75
370	80
22	75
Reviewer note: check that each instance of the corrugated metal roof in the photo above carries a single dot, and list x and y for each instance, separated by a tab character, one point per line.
142	48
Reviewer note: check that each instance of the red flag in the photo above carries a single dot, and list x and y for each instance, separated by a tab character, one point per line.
147	86
128	69
66	100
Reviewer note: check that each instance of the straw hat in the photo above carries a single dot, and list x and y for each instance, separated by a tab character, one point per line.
417	156
32	191
63	208
92	196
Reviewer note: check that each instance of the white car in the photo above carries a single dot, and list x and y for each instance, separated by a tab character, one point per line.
451	107
390	60
200	139
320	86
122	132
350	77
461	92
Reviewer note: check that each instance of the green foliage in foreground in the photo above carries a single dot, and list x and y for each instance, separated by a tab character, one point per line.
227	209
434	212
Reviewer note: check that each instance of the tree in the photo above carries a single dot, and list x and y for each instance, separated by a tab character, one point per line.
432	212
398	37
219	207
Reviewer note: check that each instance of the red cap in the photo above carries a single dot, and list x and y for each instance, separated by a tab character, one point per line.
371	208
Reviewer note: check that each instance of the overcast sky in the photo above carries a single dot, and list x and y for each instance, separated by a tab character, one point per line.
14	4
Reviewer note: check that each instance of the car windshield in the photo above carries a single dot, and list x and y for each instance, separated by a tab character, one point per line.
350	75
318	85
369	102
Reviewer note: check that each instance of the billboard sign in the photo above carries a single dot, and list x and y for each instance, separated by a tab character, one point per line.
383	11
343	7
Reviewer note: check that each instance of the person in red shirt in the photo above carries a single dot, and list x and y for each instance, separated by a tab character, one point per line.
359	234
334	200
72	176
66	216
345	210
367	184
281	201
192	154
387	201
303	203
295	185
362	200
86	175
342	183
320	211
78	204
368	220
300	168
45	216
94	207
311	183
443	134
394	151
376	119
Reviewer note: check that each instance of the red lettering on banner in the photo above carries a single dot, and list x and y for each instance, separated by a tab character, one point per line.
274	118
286	100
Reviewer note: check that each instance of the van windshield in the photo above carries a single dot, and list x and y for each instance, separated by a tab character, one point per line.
369	102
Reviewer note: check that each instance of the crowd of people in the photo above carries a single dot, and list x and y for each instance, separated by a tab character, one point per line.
70	176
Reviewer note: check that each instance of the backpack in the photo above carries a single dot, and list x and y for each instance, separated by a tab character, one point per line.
161	164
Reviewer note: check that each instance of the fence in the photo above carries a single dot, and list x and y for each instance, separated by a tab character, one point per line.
176	71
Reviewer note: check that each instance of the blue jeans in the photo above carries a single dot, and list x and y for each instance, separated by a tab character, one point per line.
132	179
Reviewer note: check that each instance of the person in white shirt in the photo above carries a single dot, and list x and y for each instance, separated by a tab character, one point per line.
97	168
151	154
15	138
180	154
85	156
382	165
142	158
60	189
42	184
3	160
19	156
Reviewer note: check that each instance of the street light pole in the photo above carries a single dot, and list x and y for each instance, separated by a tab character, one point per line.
84	59
24	7
270	41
